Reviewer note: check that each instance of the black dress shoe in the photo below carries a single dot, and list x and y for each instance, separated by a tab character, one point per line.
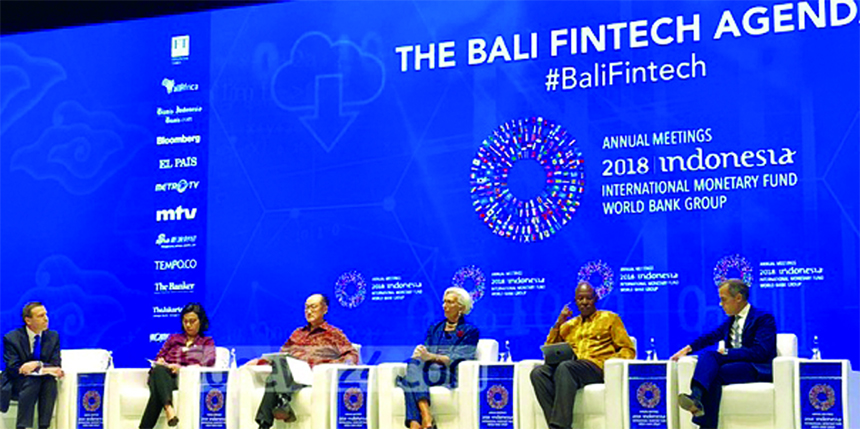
691	404
284	413
173	422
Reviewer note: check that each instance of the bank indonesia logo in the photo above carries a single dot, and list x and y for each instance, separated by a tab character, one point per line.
180	48
648	395
91	401
497	397
214	400
822	397
353	399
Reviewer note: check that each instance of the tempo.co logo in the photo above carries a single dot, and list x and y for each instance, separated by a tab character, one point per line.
176	264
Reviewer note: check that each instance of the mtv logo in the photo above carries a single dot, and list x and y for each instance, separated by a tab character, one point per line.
180	46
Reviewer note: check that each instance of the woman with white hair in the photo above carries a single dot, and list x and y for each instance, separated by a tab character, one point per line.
434	363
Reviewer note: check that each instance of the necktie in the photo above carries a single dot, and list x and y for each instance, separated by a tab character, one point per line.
736	331
37	348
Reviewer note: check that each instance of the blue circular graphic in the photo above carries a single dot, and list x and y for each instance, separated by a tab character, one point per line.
497	397
341	292
527	218
477	276
648	395
214	400
353	399
91	401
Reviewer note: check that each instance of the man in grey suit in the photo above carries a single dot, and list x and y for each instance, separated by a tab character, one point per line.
32	357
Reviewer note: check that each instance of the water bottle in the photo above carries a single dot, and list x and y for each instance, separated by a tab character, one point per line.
232	358
816	351
508	357
651	353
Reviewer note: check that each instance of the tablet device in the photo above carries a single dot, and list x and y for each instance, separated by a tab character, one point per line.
554	354
301	370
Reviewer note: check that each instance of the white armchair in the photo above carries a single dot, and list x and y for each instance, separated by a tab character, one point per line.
311	404
751	405
597	406
128	393
452	408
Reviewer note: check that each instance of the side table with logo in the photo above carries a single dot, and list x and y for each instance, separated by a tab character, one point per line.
827	395
648	394
207	398
495	393
353	398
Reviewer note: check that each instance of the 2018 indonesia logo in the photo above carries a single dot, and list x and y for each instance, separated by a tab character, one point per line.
822	397
648	395
348	280
733	262
214	400
91	401
476	275
606	276
353	399
497	397
526	218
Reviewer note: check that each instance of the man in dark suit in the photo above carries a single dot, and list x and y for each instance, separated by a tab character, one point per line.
32	357
750	337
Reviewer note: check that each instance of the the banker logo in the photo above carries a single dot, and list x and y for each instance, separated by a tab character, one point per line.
158	337
172	87
181	139
91	401
169	287
176	241
179	213
176	264
180	48
170	163
180	186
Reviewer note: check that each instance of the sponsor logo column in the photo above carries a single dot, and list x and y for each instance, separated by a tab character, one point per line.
181	155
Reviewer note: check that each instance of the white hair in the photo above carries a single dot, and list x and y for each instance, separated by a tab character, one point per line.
463	298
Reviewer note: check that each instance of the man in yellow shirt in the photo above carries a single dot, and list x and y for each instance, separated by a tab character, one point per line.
595	336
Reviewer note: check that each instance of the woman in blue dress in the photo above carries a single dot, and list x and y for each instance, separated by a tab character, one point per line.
434	363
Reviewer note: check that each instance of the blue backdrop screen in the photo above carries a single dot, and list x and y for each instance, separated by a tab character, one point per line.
382	152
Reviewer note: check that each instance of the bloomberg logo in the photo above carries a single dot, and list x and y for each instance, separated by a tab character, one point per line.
161	140
180	186
179	213
176	264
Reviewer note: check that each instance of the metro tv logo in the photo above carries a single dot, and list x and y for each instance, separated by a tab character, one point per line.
179	213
